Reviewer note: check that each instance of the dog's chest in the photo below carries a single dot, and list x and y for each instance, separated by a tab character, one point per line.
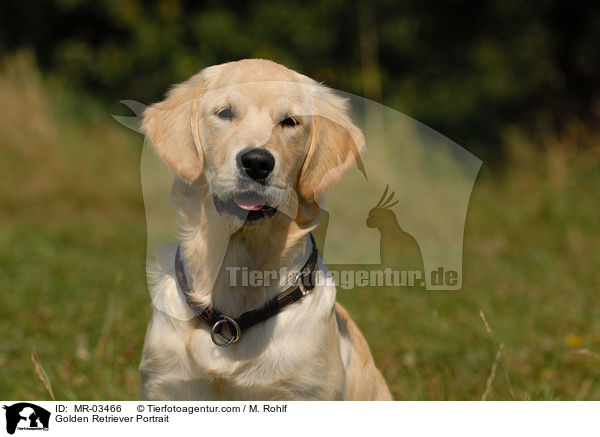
271	361
292	355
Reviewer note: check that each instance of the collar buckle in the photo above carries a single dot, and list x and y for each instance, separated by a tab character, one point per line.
299	280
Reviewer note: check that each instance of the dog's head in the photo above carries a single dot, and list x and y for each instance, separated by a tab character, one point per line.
263	138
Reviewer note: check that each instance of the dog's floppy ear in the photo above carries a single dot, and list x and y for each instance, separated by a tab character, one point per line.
172	128
335	146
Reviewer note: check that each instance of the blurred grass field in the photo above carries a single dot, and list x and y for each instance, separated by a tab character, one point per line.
73	287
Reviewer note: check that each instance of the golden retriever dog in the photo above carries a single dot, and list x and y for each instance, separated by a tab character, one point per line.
254	146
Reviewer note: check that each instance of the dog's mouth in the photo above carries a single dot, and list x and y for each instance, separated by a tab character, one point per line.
248	207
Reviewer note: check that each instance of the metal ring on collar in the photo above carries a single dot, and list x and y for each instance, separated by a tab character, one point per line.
235	337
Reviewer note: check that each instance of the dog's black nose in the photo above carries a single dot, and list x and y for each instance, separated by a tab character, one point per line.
257	163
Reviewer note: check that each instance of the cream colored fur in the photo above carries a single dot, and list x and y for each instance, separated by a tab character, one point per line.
311	350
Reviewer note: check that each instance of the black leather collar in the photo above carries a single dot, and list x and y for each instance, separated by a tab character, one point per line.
218	322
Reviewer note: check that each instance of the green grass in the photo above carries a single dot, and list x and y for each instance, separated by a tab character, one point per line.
72	255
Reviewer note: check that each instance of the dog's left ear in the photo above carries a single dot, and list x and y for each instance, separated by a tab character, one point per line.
172	128
336	145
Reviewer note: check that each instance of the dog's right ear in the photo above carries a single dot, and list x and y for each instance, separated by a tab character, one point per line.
172	128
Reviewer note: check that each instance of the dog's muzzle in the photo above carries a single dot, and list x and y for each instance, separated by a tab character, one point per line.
248	207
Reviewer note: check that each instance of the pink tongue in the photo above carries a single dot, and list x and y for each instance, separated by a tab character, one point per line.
249	205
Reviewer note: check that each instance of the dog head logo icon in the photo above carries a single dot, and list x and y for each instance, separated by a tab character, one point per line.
26	416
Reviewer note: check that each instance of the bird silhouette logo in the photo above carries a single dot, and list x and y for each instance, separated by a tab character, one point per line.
397	249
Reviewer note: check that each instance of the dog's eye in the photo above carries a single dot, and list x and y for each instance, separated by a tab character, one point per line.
290	121
225	114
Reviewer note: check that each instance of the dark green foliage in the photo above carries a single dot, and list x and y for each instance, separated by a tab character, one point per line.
466	68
